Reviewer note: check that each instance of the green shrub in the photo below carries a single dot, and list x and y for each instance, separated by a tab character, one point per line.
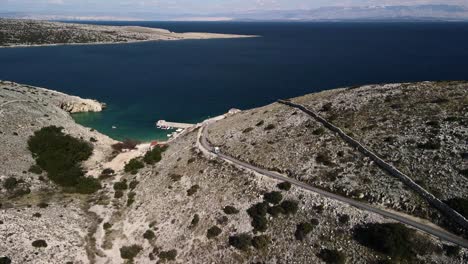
452	251
195	220
319	131
260	123
107	171
133	166
168	255
10	183
133	184
131	198
258	209
276	210
273	197
118	194
214	231
269	127
285	186
247	130
87	185
324	158
331	256
130	252
193	190
175	177
394	240
302	230
107	225
464	172
36	169
343	219
259	223
459	204
39	243
149	234
5	260
241	242
261	242
42	205
121	185
430	145
155	155
230	210
59	155
289	207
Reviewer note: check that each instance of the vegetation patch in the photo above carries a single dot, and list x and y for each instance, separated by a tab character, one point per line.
260	242
247	130
285	186
289	207
39	243
195	220
230	210
175	177
121	185
393	240
302	230
464	172
130	252
430	145
149	234
270	127
214	231
133	166
332	256
168	255
193	190
319	131
60	156
131	198
10	183
36	169
242	242
126	144
275	211
155	155
273	197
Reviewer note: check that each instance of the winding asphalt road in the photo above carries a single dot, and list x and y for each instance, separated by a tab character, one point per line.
205	146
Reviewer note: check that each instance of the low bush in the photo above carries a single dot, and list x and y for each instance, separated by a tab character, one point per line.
260	242
258	209
193	190
343	219
270	127
319	131
452	251
36	169
118	194
39	243
275	210
285	186
302	230
107	171
175	177
195	220
168	255
155	155
394	240
259	223
247	130
10	183
324	158
230	210
289	207
242	242
126	144
121	185
87	185
464	172
331	256
430	145
133	184
260	123
130	252
106	225
133	166
213	231
149	235
60	155
131	198
273	197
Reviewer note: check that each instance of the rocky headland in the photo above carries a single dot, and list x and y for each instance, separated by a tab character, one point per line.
175	204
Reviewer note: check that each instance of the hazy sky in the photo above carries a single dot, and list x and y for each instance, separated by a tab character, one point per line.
195	6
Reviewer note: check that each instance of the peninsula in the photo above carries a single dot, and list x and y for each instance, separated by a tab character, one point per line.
25	33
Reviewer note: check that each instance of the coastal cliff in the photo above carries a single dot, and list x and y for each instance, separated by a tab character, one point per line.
173	203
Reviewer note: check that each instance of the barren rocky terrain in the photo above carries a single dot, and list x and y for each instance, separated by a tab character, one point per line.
15	32
189	208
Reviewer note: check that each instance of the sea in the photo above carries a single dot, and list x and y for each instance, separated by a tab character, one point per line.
190	80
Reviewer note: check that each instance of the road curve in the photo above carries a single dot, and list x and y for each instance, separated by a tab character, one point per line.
205	147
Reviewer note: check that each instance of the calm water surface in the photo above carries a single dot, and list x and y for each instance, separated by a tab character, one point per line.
187	81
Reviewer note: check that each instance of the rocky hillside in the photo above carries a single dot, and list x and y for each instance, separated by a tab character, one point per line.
174	204
15	32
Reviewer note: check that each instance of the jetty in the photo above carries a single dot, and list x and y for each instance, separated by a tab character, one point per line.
167	125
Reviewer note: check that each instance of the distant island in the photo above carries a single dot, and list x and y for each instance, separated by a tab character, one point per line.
16	32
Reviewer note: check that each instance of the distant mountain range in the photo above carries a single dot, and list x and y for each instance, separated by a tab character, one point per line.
366	13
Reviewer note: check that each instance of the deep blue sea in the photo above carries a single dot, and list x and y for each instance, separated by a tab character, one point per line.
187	81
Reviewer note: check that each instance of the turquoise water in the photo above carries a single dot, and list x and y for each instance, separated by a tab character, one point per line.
187	81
